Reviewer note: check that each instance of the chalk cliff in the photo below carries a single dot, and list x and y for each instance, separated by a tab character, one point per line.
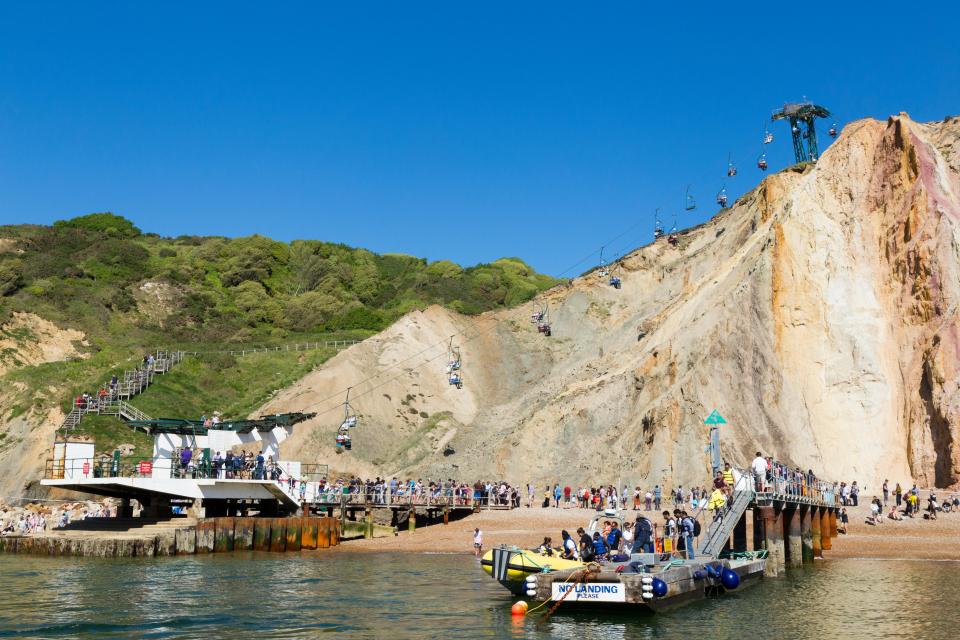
818	314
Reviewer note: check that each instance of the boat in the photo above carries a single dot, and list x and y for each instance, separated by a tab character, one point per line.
647	581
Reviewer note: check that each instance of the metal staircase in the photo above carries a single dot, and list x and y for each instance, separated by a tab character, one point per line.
114	401
720	530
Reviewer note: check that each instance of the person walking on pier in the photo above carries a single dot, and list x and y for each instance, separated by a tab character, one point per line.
759	469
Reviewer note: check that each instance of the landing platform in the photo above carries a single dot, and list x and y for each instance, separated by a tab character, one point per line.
194	488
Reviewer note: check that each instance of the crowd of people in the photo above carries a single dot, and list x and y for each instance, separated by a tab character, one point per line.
37	518
898	504
91	402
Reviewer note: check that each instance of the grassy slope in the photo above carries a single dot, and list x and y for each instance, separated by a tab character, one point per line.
87	274
235	386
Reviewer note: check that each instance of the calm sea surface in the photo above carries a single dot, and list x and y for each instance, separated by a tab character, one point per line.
252	595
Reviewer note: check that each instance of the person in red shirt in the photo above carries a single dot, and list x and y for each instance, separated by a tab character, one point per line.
566	495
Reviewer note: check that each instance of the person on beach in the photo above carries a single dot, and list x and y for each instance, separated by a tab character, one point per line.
636	498
477	542
894	513
899	495
886	492
844	521
657	497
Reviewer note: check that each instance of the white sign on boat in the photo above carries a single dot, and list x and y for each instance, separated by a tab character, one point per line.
590	592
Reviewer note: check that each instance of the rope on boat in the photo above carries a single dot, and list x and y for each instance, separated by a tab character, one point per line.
579	576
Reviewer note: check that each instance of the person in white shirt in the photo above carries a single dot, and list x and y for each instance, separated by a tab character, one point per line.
759	468
477	542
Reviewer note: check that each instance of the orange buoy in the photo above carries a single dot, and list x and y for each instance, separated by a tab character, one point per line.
519	608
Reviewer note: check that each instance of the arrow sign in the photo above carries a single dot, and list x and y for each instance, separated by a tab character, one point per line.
714	418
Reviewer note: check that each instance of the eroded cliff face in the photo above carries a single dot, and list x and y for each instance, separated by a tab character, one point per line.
818	315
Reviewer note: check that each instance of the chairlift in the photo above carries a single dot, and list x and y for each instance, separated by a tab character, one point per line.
454	365
767	136
731	168
657	225
604	270
690	204
350	420
539	311
722	197
762	162
615	275
543	322
832	132
673	238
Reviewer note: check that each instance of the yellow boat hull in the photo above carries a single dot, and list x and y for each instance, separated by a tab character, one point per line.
524	562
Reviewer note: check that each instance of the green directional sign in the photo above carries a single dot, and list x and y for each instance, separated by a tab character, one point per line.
714	418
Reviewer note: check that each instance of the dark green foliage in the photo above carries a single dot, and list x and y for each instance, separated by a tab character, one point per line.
104	224
89	273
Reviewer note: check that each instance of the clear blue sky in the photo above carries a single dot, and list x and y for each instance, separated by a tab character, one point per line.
447	130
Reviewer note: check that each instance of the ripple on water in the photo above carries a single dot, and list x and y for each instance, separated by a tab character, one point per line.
407	595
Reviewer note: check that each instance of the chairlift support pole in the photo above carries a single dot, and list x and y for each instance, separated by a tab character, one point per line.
801	115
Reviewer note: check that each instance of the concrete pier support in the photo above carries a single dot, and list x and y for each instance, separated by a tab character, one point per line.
771	567
740	534
412	520
791	525
825	538
368	522
815	531
806	535
833	523
758	542
778	544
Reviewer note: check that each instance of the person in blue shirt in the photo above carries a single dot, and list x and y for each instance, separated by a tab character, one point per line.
599	547
557	492
657	497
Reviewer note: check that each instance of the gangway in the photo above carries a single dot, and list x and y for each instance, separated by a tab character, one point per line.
720	530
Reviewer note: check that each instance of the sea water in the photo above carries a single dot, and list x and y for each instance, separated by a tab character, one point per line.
343	594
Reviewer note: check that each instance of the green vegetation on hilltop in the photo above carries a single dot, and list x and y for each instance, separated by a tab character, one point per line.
131	292
99	272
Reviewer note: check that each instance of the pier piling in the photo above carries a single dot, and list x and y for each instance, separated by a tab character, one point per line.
308	539
740	534
815	531
261	534
771	566
278	534
825	539
806	535
794	544
223	538
243	534
205	535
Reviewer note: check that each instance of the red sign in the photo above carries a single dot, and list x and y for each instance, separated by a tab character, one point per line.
86	468
145	467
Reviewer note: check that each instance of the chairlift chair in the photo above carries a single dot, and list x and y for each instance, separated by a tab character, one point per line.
767	137
832	132
673	239
722	197
604	270
350	420
454	375
614	276
731	168
762	162
690	203
543	323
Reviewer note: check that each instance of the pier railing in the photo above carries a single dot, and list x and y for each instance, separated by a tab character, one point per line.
338	499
